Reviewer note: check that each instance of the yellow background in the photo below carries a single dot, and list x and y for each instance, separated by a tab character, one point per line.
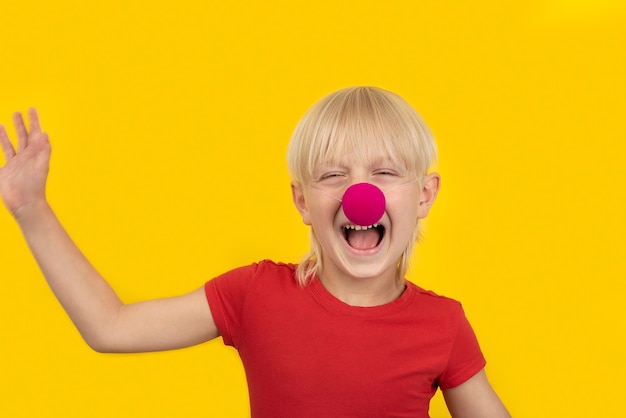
169	123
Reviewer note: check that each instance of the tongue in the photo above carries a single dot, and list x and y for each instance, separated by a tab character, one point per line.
363	240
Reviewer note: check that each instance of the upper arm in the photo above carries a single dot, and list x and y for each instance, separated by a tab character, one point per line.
475	399
160	324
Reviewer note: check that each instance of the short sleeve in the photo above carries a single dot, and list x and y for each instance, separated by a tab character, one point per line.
465	359
226	296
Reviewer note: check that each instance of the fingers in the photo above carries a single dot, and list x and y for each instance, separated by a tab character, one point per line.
20	129
7	147
23	134
34	121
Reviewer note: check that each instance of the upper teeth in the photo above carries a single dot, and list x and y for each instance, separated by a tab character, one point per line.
359	227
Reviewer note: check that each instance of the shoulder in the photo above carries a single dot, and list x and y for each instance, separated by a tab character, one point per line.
429	300
232	294
260	268
268	271
443	315
269	266
244	276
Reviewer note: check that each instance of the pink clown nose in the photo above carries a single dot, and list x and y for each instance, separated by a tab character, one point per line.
363	204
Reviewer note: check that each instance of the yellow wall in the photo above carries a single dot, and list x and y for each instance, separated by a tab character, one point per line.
169	123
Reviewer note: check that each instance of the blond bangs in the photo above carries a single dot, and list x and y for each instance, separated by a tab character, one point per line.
365	122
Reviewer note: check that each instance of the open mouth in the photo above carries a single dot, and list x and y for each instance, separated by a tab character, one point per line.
363	237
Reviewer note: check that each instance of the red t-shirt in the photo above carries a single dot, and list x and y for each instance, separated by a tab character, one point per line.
307	354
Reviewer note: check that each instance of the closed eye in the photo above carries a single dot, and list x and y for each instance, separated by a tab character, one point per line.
332	175
386	173
332	179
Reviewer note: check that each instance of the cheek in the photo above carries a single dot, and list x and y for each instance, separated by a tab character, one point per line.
402	233
403	205
322	213
404	216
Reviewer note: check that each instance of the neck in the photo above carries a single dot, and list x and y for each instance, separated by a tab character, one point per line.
363	292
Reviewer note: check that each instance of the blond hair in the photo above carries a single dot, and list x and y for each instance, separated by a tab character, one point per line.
366	122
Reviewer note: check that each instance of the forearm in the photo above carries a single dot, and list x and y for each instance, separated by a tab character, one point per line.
87	298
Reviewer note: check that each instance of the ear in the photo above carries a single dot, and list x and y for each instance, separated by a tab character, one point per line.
297	194
430	189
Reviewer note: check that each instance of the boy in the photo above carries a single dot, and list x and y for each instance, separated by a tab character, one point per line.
340	335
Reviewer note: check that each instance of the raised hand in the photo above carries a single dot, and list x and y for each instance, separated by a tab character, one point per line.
23	176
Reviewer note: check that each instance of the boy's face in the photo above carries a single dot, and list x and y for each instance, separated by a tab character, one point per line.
372	253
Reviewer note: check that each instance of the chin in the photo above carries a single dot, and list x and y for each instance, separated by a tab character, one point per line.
362	270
